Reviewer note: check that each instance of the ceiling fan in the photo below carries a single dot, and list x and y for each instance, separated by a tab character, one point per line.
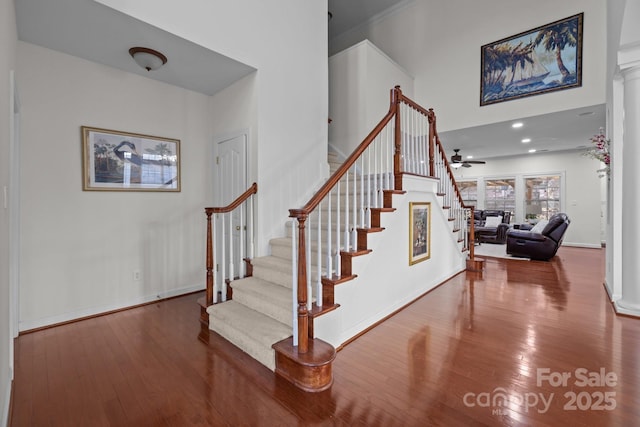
456	160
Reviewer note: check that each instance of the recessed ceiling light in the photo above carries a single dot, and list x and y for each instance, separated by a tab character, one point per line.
526	140
469	157
533	150
517	125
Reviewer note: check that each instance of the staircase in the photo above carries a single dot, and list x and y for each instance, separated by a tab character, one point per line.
260	313
272	312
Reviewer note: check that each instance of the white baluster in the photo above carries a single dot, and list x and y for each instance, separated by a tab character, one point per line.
329	254
250	231
375	173
319	256
231	266
346	211
390	149
336	261
364	175
368	213
241	267
223	253
307	226
294	287
215	265
379	202
354	207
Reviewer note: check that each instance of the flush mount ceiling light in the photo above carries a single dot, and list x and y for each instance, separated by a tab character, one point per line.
148	59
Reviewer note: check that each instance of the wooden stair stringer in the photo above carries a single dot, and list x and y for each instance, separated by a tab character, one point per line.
312	371
454	230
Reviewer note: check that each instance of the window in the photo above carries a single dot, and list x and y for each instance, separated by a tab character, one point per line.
469	192
500	194
542	197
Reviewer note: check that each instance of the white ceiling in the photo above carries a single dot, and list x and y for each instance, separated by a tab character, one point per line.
565	130
90	30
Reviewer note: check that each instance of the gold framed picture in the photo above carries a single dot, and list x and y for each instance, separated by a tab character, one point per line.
125	161
419	231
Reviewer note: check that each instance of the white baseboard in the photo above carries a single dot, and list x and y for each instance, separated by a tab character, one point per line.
66	317
626	310
583	245
610	294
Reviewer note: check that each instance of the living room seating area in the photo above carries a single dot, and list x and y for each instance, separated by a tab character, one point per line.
491	225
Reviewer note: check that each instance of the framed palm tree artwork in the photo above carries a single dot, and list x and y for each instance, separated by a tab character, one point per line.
125	161
537	61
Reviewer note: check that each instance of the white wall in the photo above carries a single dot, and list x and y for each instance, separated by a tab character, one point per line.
7	64
439	44
386	282
234	110
361	78
289	50
80	248
581	198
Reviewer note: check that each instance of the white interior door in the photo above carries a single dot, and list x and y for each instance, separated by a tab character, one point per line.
232	181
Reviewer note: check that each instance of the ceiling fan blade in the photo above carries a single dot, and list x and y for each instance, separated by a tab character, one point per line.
476	162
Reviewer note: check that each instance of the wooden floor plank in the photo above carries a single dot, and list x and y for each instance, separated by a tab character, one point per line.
432	363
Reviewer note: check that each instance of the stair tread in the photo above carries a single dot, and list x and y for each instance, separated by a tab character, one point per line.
257	326
271	261
286	241
274	292
271	299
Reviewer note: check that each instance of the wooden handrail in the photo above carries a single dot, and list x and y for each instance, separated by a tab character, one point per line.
450	172
209	258
237	202
342	170
302	214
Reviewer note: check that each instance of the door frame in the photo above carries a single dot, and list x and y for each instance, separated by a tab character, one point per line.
14	216
215	175
247	160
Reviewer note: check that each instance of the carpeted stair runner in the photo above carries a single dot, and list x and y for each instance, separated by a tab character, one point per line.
260	313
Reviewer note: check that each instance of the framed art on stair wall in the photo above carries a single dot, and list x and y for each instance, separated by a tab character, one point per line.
545	59
125	161
419	231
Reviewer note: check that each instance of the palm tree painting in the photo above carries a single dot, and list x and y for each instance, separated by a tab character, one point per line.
545	59
126	161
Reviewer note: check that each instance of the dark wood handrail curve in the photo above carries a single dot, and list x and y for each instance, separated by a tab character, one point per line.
342	170
237	202
302	214
210	211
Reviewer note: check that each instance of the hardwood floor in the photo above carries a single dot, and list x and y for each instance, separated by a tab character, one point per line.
443	361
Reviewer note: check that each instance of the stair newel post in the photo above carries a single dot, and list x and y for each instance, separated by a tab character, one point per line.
432	138
472	233
397	139
303	312
209	260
